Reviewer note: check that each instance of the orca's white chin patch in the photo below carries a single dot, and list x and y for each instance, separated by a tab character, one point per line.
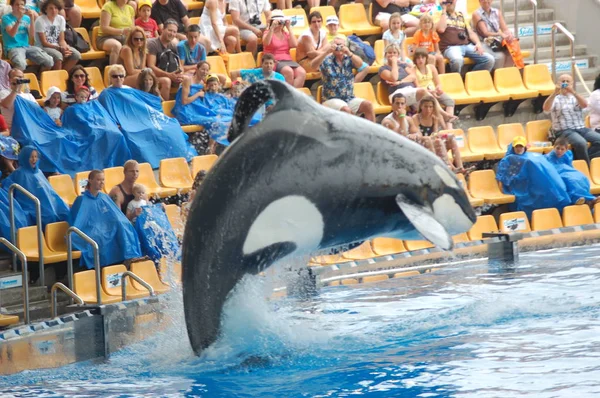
451	215
292	218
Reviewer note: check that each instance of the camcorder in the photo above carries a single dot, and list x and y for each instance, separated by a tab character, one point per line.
23	81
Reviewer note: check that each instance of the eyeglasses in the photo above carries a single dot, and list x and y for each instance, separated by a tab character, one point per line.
78	76
138	39
118	76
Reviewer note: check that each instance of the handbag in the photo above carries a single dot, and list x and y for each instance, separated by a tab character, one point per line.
76	40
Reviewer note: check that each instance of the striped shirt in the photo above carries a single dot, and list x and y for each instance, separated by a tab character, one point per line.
566	113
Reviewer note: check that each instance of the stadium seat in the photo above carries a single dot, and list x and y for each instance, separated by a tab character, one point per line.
537	132
147	271
543	219
56	238
379	48
146	178
305	90
113	176
7	320
537	77
89	9
508	81
361	252
375	278
194	20
328	259
582	166
507	132
35	85
51	78
95	78
479	84
95	31
474	202
353	17
63	185
483	185
460	238
515	221
204	162
409	47
466	153
482	140
163	272
175	173
484	224
387	246
217	65
414	245
365	91
327	11
244	60
597	213
80	181
91	54
320	94
595	170
577	215
27	242
452	84
174	215
168	110
111	283
406	274
193	5
299	20
84	285
383	96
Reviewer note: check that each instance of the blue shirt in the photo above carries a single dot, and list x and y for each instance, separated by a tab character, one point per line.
191	57
255	75
21	39
338	79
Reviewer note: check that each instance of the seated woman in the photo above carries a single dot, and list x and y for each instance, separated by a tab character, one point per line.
312	41
578	186
116	21
116	237
30	177
133	55
224	39
77	77
148	83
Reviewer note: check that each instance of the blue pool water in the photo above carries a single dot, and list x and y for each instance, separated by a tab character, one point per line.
465	330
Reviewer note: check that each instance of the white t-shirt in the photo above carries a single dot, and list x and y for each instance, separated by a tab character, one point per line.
54	113
249	8
51	29
135	204
322	38
9	112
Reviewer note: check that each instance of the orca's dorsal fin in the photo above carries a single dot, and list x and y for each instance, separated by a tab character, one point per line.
422	218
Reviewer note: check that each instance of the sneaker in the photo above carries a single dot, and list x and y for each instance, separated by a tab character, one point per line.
580	201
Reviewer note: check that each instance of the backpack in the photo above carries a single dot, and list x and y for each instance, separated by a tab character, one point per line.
363	50
168	61
76	40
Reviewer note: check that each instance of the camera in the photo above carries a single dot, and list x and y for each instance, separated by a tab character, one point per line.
23	81
339	47
255	20
462	36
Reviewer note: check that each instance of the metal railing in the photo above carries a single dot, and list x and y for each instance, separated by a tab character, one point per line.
558	26
55	288
137	279
94	245
25	276
38	219
516	25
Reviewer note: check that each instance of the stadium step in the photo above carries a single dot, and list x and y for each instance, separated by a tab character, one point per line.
510	5
13	296
526	16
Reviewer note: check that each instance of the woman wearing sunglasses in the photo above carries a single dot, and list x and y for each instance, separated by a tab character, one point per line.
133	56
77	77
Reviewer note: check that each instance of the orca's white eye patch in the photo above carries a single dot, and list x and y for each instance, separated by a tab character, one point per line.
445	175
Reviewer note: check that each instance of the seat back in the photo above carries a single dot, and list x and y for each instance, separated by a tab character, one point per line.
352	15
365	91
95	78
460	238
174	170
382	94
168	107
595	170
508	79
463	181
111	279
63	185
174	215
204	162
95	31
305	90
51	78
537	130
482	182
320	94
386	246
326	11
80	181
537	76
479	82
482	140
112	177
507	132
483	225
460	138
27	241
360	252
413	245
217	65
515	221
147	271
244	60
379	48
84	285
146	176
543	219
33	82
577	215
410	47
56	236
582	166
452	84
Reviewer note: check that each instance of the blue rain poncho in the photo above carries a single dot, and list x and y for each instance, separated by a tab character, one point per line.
20	217
156	235
578	186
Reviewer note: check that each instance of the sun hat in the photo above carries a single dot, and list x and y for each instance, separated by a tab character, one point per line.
332	20
277	14
519	140
51	91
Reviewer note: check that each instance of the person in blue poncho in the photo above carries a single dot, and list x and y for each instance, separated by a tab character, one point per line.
98	216
30	177
578	186
532	179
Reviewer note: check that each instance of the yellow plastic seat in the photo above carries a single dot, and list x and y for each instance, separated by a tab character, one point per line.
466	153
27	242
34	84
95	78
174	215
80	181
507	132
383	96
483	185
175	173
537	77
379	49
328	259
89	9
146	178
51	78
63	185
353	17
537	132
192	5
147	271
460	238
168	110
299	20
413	245
244	60
479	84
595	170
320	94
163	272
95	31
508	81
484	224
217	65
305	90
582	166
204	162
84	285
365	91
597	213
111	283
452	84
515	221
7	320
361	252
543	219
387	246
375	278
577	215
482	140
327	11
56	238
473	201
113	176
91	54
406	274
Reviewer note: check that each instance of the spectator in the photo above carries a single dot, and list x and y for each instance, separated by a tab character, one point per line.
212	85
9	149
116	22
116	73
145	21
383	9
565	109
122	193
594	104
266	71
140	199
133	55
333	25
82	94
246	16
52	104
148	82
77	77
17	28
491	28
398	120
338	80
7	97
163	10
163	60
202	72
427	118
311	41
400	77
426	37
278	42
72	13
5	69
395	34
457	40
191	51
50	36
223	38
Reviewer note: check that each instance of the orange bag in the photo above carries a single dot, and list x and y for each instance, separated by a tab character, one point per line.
514	49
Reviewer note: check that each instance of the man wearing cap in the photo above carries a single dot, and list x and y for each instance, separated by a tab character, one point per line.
7	97
163	10
246	16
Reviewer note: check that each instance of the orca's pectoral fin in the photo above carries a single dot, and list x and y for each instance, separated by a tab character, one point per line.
259	260
422	218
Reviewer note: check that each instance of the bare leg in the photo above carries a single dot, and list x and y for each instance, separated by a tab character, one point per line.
164	86
366	108
113	48
299	77
453	146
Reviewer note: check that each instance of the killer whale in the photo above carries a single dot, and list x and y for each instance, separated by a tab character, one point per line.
306	178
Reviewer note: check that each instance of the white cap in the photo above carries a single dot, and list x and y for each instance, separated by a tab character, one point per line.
51	91
332	19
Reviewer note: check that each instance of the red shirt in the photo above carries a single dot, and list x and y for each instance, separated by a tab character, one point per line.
3	125
150	27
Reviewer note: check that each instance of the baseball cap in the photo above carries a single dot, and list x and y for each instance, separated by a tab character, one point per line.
519	140
332	19
144	3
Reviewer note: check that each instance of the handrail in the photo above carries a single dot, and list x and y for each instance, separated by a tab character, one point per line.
94	245
558	26
138	280
38	219
25	276
534	3
59	286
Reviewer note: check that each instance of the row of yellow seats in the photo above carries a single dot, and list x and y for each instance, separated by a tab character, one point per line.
90	9
54	246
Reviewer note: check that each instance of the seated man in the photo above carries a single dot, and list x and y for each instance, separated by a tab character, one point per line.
7	97
246	16
162	58
116	237
122	193
191	51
